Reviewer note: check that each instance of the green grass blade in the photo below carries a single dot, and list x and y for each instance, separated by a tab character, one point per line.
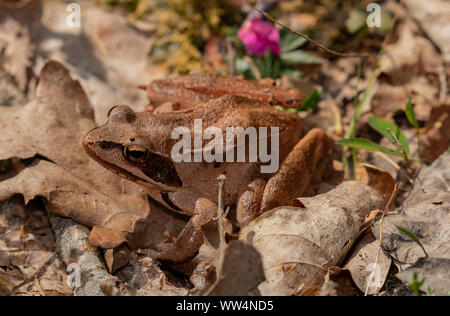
415	284
289	42
410	115
299	57
311	101
382	126
362	143
413	237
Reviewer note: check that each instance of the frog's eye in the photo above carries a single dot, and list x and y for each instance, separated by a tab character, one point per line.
136	153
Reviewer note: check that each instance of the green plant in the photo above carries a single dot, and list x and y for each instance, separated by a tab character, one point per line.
182	28
429	292
272	66
415	285
310	103
389	130
411	116
413	237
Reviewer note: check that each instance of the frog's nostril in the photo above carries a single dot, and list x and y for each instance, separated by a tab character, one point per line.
105	144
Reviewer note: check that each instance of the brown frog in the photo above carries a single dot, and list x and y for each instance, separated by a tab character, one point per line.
184	92
140	147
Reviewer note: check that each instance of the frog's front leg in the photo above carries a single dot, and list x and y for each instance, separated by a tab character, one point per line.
190	238
304	166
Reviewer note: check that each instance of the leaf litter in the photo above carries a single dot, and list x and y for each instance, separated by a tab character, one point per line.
42	147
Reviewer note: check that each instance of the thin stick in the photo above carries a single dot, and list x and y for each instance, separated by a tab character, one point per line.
443	83
231	54
392	163
221	229
391	199
326	49
220	213
253	67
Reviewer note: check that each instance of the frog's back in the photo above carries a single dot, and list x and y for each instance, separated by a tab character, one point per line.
236	111
241	111
230	111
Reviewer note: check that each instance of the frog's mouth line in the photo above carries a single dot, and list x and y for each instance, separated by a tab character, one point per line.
111	167
114	168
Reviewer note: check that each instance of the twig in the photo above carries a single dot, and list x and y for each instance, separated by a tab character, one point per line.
371	85
443	83
399	145
98	41
36	274
220	214
231	56
221	229
326	49
253	67
391	199
396	166
337	117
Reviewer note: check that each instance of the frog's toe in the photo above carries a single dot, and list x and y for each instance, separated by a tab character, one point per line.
183	249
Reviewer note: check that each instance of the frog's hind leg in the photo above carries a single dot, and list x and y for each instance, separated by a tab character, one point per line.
303	167
190	239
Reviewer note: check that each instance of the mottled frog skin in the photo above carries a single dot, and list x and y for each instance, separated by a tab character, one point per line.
138	146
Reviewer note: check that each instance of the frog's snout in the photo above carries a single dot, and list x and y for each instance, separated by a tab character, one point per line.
88	141
91	140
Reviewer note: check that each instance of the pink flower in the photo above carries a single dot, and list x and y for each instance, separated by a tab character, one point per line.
258	36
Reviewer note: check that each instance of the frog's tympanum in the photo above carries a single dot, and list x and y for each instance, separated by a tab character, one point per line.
138	147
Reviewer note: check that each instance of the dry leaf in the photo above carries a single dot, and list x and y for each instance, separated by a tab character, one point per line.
107	54
437	137
298	244
433	16
31	267
9	92
434	271
377	179
145	278
241	270
338	282
410	56
426	213
117	258
362	265
52	127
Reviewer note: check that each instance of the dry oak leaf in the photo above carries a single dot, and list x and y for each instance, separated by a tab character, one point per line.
409	57
241	271
426	213
298	245
52	126
433	17
367	274
437	136
434	271
108	54
144	277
